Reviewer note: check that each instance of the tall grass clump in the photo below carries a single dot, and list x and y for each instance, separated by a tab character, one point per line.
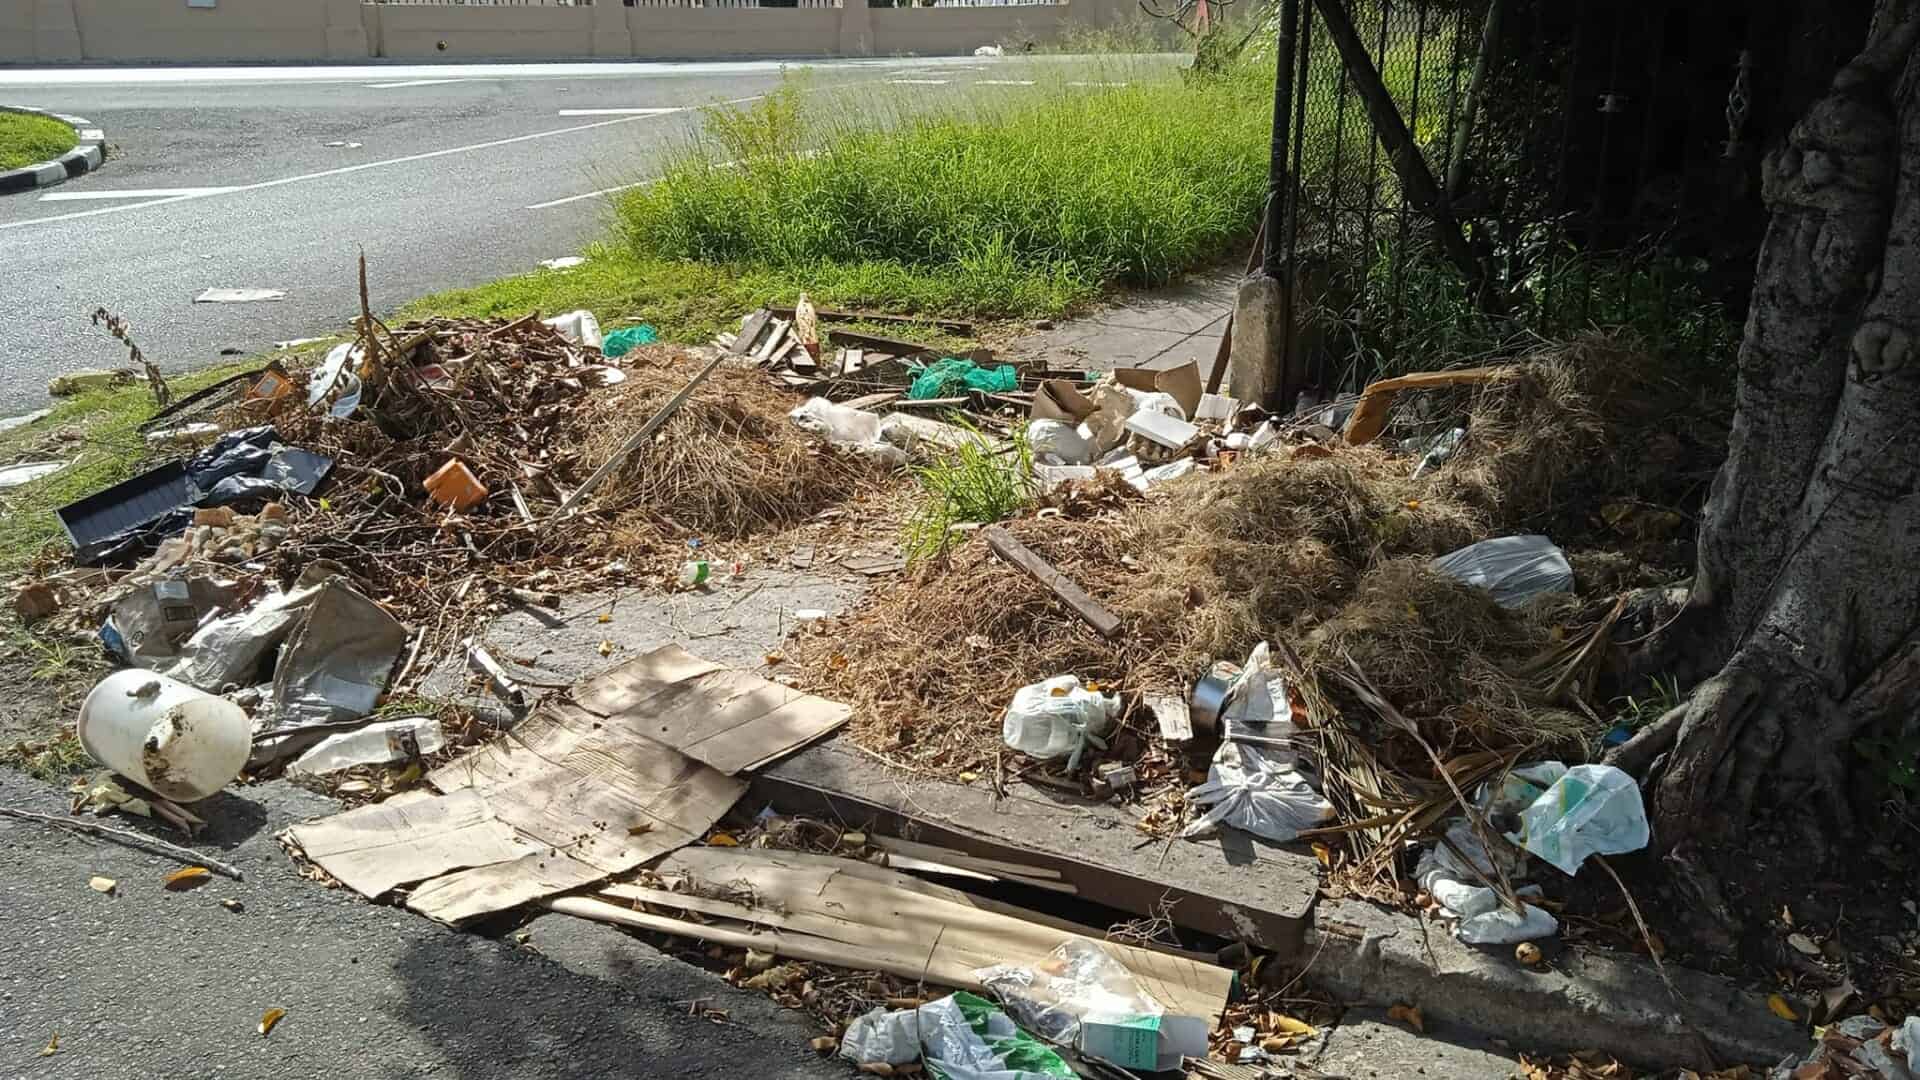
977	483
1000	201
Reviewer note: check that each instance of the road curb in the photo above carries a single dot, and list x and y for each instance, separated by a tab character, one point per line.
1583	999
82	159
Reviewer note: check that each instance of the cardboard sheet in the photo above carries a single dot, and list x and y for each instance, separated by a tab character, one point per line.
900	923
731	720
569	798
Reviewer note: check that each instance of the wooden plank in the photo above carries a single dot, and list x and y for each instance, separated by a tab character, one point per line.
1234	885
1224	350
776	337
890	346
743	343
1104	622
961	859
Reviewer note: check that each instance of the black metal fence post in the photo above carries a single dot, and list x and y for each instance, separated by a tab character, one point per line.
1278	167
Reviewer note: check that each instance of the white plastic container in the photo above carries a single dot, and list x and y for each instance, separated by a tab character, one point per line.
176	741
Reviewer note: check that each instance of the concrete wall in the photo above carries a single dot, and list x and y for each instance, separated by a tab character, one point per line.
59	31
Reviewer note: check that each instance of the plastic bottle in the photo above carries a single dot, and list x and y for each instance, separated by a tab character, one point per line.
695	572
180	742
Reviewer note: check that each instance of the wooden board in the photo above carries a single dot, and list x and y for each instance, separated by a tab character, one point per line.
913	929
1105	622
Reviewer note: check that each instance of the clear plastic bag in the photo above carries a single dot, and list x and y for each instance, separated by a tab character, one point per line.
1593	809
1058	718
1514	569
1077	980
1257	791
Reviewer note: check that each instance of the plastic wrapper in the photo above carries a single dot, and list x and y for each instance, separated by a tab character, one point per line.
1514	569
1258	708
1257	791
1078	979
961	1037
1592	810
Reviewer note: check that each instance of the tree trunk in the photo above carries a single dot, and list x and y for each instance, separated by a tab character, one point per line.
1802	601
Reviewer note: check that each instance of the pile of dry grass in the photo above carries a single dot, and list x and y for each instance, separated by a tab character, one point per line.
1328	552
728	464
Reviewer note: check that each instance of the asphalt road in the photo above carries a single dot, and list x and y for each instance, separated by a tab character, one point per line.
149	983
462	173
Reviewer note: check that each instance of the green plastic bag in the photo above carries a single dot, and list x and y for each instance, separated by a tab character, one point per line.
949	377
627	338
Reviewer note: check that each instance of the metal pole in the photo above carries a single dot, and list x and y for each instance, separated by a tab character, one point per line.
1277	167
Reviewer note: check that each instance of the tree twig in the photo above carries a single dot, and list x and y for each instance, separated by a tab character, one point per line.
140	841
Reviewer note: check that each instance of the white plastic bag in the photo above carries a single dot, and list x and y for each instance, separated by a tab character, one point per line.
1257	791
1258	708
882	1037
1056	442
954	1048
1172	470
1501	926
1058	718
578	326
1593	809
852	429
1520	788
385	743
1514	569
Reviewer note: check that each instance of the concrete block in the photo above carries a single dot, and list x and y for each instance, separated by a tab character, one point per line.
1258	330
1583	998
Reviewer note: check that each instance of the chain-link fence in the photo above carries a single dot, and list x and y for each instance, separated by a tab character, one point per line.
1596	156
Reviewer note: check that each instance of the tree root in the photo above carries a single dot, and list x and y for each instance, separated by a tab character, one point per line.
1637	754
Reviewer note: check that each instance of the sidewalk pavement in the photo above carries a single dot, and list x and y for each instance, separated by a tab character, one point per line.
1163	328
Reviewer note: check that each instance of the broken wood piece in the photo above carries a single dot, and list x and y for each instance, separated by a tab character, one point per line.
873	564
749	334
776	339
868	401
638	438
1104	622
1370	412
891	346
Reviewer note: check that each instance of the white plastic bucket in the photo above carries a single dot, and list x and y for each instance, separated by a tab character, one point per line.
176	741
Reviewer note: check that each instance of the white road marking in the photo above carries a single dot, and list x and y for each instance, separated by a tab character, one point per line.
1096	84
387	74
919	82
617	112
590	194
1003	82
341	171
133	193
414	82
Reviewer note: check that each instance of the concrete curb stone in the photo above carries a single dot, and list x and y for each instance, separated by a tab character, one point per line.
82	159
1583	1000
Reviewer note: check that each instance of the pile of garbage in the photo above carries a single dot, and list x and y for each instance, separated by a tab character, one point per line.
1392	577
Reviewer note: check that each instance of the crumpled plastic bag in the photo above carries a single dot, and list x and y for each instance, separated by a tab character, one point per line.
628	338
854	429
1593	809
1257	791
962	1037
1514	569
951	376
1077	980
1056	442
1450	879
1258	708
1058	718
578	326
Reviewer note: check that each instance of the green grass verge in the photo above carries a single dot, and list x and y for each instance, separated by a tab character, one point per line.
26	139
999	202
